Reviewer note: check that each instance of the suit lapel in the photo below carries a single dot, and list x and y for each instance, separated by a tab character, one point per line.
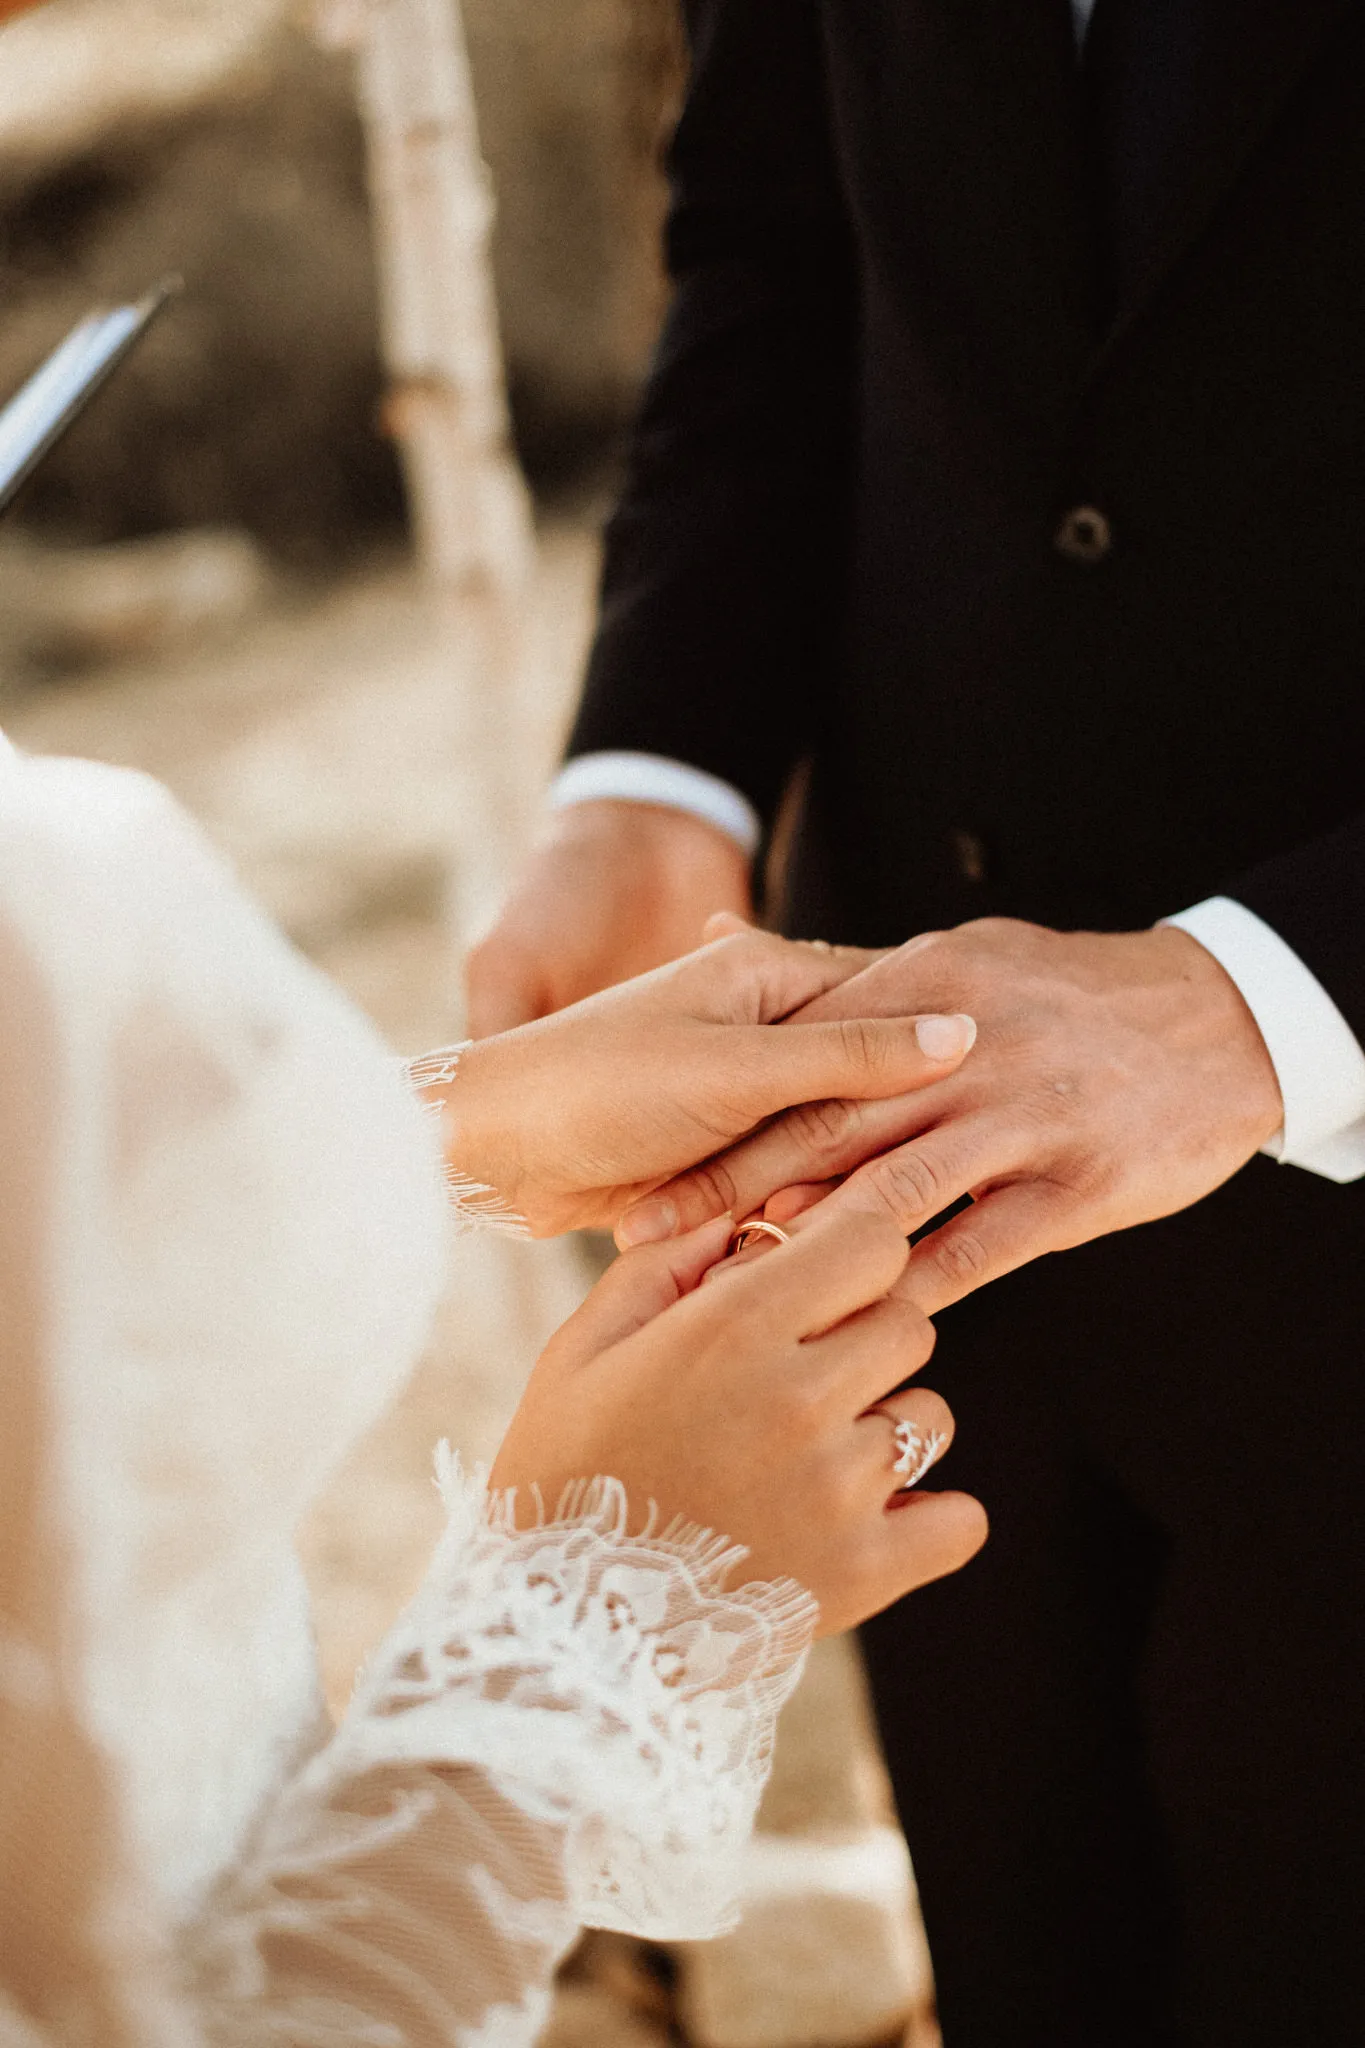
1252	54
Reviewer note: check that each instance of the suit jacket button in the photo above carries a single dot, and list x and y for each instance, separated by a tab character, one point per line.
1084	535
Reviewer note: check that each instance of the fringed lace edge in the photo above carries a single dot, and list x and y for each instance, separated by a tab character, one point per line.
625	1649
608	1686
601	1508
476	1205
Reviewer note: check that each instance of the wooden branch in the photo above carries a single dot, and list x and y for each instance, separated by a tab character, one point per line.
433	214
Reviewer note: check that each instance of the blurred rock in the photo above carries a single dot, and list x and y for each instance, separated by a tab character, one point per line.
213	138
252	401
70	607
828	1953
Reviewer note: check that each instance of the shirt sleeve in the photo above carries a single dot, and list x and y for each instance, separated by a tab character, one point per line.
1318	1060
651	779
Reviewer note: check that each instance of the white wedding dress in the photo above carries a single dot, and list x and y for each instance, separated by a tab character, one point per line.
226	1213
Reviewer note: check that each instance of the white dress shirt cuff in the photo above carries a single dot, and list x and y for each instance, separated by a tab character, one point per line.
1318	1060
650	779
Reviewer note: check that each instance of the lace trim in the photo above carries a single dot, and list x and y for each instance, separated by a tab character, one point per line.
477	1206
598	1703
609	1682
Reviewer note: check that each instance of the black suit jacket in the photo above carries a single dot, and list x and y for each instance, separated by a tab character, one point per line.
918	317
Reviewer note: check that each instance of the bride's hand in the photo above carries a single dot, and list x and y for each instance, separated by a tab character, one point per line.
760	1406
570	1118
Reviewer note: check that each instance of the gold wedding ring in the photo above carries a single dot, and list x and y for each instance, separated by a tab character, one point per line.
758	1226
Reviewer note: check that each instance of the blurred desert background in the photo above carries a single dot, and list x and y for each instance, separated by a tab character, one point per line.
215	579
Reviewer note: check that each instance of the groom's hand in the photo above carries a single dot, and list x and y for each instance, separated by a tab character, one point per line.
1116	1078
612	890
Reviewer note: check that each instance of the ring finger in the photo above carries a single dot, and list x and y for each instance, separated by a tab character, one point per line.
902	1439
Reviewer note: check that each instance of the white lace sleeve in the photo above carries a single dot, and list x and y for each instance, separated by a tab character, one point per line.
569	1725
476	1205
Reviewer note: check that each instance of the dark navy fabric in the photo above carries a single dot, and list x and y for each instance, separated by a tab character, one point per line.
938	285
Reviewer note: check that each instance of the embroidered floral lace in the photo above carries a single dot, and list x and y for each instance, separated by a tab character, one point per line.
570	1723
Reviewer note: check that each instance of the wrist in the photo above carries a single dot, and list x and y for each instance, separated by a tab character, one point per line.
661	780
1216	1012
468	1087
634	820
655	862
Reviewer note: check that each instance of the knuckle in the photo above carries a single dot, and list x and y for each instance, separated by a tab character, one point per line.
1087	1175
1013	934
748	953
909	1330
962	1258
711	1187
861	1045
909	1184
823	1129
877	1233
738	964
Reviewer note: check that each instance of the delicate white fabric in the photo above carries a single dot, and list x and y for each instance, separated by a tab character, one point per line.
241	1241
246	1246
1318	1060
474	1204
605	1692
652	779
637	1705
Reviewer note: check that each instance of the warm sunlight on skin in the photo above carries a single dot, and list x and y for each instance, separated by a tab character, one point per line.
9	7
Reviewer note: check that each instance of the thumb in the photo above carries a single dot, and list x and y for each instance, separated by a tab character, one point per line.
639	1286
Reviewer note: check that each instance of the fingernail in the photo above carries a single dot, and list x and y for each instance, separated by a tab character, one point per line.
945	1038
647	1223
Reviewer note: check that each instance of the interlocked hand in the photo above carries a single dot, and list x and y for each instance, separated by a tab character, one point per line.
1116	1078
572	1117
